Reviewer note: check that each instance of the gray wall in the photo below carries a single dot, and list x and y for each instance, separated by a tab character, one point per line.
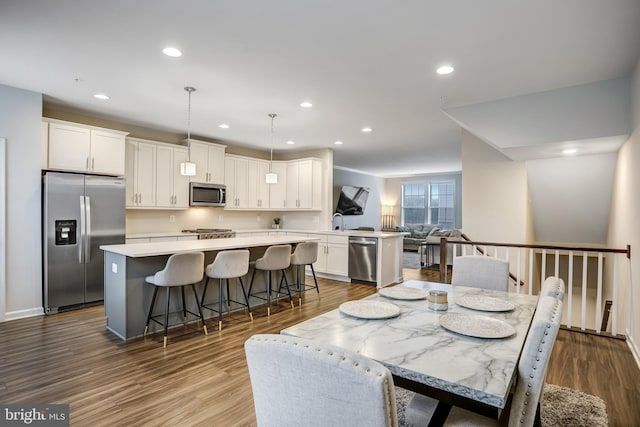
20	121
371	216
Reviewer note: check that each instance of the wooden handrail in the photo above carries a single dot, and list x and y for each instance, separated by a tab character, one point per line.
467	241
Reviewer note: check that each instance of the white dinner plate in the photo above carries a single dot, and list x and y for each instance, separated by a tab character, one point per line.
400	292
485	303
476	326
365	309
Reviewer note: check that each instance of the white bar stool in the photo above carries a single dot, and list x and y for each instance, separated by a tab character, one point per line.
227	265
181	270
277	257
306	253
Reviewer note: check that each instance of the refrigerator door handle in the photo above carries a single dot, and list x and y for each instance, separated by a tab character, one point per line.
87	248
82	232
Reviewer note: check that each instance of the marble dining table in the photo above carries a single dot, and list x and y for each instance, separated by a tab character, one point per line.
423	356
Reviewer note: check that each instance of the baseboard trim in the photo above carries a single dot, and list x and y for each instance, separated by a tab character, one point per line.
21	314
634	348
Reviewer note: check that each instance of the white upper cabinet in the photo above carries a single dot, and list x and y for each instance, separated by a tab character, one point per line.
258	188
303	184
210	161
80	148
140	173
172	188
278	191
237	182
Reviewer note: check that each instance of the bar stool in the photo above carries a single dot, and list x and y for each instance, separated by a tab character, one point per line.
181	270
306	253
277	257
227	265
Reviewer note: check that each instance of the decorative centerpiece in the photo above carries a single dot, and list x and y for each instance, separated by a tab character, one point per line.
438	300
276	223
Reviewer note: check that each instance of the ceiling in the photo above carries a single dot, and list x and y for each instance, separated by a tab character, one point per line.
360	62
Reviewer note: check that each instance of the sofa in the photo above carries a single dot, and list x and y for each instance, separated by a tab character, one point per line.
416	234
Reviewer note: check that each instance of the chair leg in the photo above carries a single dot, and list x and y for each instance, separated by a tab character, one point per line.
246	298
166	318
204	292
228	298
220	304
195	294
299	284
153	302
314	278
253	275
286	283
268	282
184	305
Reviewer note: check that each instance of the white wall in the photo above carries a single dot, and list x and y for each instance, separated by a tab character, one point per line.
494	194
570	197
624	227
20	118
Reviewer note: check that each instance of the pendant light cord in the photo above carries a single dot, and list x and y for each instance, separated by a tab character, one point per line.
189	89
273	116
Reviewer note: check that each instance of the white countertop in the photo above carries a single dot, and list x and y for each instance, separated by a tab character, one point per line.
138	250
359	233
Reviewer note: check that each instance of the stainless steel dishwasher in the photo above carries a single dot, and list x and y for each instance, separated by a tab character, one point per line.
363	253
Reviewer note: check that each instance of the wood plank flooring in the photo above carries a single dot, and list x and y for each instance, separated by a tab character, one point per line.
203	381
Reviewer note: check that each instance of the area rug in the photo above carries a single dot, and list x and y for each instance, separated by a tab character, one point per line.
561	406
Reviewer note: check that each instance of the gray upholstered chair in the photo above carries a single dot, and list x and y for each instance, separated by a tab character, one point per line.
306	253
181	270
480	271
277	257
300	383
553	286
227	265
532	368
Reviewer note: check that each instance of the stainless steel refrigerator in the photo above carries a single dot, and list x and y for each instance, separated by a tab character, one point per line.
79	213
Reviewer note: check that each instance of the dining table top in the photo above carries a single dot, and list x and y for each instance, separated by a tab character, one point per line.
423	355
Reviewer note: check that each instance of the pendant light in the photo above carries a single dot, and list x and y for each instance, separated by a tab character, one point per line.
271	177
188	168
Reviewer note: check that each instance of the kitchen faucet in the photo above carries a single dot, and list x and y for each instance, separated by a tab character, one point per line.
341	220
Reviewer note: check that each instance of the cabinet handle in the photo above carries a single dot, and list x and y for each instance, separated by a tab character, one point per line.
140	198
87	167
93	161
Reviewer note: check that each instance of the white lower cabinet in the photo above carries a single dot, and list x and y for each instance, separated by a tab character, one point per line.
333	255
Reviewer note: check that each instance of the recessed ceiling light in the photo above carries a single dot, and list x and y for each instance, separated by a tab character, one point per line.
569	151
100	96
366	129
290	142
223	126
445	69
172	51
338	143
306	104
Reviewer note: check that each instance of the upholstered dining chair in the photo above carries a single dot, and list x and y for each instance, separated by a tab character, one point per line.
297	382
480	271
181	270
532	368
554	287
306	253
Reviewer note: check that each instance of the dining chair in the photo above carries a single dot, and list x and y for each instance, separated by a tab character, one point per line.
480	271
232	264
554	287
524	408
181	270
306	253
276	257
298	382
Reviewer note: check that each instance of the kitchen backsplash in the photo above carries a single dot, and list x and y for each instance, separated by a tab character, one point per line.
159	221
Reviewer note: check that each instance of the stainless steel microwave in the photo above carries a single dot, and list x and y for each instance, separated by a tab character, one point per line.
201	194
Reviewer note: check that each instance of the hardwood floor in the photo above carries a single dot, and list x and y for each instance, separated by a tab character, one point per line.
203	381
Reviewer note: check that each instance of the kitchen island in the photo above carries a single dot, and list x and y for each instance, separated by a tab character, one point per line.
127	296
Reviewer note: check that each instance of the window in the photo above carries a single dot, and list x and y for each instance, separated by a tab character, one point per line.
429	203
